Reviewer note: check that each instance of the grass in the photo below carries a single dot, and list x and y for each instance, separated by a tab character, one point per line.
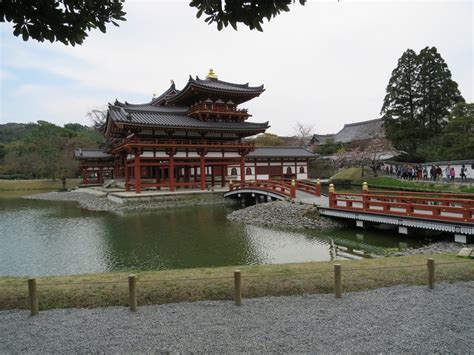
158	287
352	175
38	184
388	182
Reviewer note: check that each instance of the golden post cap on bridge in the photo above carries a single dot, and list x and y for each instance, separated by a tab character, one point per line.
331	187
365	186
318	182
293	182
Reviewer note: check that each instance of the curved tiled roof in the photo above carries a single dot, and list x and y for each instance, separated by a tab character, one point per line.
156	101
175	117
217	86
82	153
281	152
359	131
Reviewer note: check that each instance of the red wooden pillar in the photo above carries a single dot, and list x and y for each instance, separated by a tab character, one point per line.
203	171
84	176
127	175
171	172
195	173
213	179
332	200
138	178
242	169
223	173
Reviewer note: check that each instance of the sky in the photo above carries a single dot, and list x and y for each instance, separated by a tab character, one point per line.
324	64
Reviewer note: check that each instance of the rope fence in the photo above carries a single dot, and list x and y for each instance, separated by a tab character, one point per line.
238	277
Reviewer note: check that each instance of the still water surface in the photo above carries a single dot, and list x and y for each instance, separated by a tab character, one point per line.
39	238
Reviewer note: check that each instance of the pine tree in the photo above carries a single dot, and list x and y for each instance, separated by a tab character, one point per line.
419	99
439	93
399	110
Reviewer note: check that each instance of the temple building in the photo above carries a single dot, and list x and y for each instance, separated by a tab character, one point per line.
189	138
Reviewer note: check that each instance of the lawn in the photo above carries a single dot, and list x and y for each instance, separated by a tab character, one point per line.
158	287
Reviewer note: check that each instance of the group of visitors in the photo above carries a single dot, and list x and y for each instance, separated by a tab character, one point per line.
419	172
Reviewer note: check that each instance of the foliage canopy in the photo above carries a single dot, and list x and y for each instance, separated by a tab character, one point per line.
67	21
419	98
251	13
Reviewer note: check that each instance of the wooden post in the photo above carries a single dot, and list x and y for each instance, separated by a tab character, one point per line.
332	202
365	199
202	169
171	172
431	271
33	293
293	189
318	187
242	169
132	292
337	281
237	287
137	171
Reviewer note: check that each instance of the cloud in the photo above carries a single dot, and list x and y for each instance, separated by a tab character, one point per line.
325	64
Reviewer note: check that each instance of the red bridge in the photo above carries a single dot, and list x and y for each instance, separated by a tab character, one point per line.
446	212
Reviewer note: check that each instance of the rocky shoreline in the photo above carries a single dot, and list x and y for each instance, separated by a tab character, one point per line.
283	214
434	248
99	202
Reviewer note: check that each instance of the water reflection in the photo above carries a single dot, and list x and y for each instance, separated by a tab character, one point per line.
51	238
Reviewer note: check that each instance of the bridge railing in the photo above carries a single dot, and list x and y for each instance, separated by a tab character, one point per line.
313	188
431	206
267	185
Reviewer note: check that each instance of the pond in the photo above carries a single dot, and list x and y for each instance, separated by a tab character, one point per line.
40	238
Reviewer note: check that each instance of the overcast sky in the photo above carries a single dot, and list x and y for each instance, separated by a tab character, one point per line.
324	64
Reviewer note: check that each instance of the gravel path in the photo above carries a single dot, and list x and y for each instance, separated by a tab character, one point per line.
399	319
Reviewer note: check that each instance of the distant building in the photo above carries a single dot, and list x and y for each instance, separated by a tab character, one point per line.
352	132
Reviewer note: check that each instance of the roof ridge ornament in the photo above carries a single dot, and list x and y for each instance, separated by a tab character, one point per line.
211	75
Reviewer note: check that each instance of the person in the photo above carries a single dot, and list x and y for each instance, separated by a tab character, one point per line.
463	173
439	173
425	173
452	174
447	173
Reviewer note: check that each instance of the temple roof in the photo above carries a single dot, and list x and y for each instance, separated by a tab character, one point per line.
351	132
281	152
359	131
243	92
85	154
166	117
155	101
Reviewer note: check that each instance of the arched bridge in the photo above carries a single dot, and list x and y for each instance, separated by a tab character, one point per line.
273	189
442	212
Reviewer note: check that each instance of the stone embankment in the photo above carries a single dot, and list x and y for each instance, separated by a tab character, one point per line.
434	248
283	214
99	202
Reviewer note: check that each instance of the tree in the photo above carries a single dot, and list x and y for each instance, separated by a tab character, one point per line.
400	104
457	138
328	147
250	12
438	92
304	133
67	21
268	140
420	95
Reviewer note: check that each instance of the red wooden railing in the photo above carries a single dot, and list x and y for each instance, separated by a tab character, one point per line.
266	185
428	206
181	143
313	188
